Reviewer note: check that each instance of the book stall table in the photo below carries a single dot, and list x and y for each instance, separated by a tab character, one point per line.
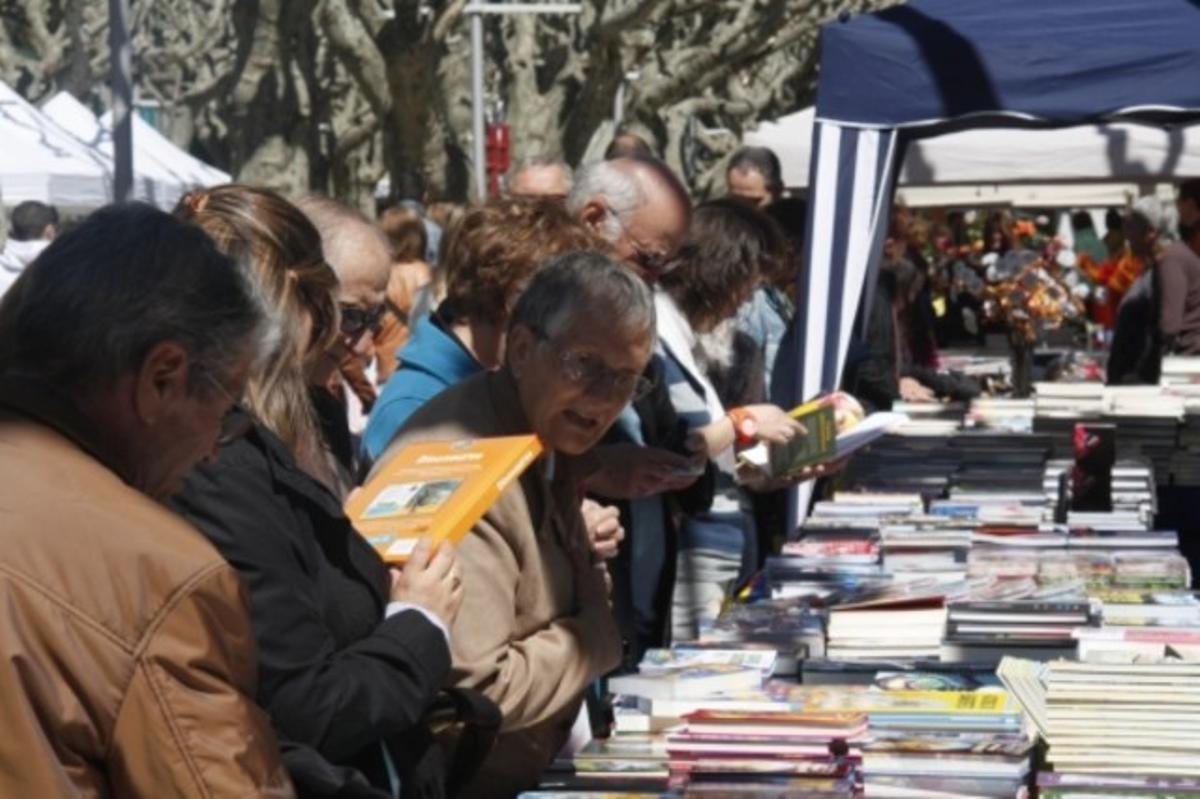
933	631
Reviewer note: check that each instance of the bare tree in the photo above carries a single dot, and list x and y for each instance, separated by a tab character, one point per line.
331	95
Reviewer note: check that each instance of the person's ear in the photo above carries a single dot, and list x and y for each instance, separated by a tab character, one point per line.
49	232
593	214
161	381
518	348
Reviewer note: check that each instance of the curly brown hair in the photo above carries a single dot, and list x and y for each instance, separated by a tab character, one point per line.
728	249
492	252
406	233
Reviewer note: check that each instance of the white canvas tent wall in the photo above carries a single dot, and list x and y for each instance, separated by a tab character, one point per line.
39	160
162	172
1072	167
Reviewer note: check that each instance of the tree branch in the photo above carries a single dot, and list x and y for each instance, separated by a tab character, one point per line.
447	20
356	49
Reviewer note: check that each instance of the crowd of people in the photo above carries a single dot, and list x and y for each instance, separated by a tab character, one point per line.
188	399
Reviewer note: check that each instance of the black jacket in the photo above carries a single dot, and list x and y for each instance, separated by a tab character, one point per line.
1135	356
335	676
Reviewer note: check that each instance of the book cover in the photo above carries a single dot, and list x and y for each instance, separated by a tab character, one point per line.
816	445
689	682
437	489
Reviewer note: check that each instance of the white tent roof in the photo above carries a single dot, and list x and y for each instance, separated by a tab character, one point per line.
186	167
39	160
1086	165
162	171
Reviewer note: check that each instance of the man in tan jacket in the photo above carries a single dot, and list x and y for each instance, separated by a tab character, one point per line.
126	656
535	626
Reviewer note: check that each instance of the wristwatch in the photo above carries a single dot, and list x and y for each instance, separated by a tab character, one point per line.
745	426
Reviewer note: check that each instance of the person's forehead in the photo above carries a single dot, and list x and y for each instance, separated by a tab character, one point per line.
747	177
661	220
544	172
363	264
596	331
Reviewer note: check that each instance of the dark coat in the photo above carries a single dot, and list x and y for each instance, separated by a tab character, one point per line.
334	674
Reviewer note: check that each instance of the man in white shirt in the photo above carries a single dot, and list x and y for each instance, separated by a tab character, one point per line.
32	226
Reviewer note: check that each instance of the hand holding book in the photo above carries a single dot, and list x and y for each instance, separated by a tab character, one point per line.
430	579
834	429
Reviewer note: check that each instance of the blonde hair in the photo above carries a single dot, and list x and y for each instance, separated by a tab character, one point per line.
279	252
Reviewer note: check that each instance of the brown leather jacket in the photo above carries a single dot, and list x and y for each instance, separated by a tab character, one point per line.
126	655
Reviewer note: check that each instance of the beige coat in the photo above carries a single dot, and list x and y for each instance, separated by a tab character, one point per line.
535	627
126	656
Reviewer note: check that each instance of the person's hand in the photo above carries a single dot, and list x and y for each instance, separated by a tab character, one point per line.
604	529
774	424
911	390
627	471
755	479
847	411
430	580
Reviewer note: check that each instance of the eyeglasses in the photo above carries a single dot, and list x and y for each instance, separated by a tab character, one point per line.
589	371
356	320
237	421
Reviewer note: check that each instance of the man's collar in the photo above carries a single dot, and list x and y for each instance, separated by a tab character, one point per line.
42	402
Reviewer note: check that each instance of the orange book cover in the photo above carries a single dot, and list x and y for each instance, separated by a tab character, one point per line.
437	489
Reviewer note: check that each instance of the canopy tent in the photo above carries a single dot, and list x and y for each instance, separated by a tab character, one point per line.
39	160
162	172
1077	166
179	163
936	66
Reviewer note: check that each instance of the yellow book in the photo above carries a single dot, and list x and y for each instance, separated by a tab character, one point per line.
437	490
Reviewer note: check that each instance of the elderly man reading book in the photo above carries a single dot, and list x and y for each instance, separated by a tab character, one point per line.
535	626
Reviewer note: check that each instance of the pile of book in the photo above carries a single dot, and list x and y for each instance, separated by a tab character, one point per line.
986	631
789	752
1128	728
941	743
903	620
1158	423
999	414
920	546
791	627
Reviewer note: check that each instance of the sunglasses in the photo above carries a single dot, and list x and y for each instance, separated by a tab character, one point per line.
356	320
237	421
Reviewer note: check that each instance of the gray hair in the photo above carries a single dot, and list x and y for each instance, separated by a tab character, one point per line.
102	295
1159	215
533	161
619	189
578	282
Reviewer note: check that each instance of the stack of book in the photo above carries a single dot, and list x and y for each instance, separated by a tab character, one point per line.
789	626
1136	720
905	620
1134	608
790	752
986	631
1133	496
947	764
1008	415
946	743
925	546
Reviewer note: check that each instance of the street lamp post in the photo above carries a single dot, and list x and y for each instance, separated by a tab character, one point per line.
476	9
122	98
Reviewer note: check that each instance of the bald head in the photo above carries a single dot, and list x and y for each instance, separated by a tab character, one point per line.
357	250
639	205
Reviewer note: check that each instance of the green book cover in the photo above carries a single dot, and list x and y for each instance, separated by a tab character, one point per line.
817	445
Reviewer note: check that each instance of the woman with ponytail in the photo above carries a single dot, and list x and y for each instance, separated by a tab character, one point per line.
351	654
